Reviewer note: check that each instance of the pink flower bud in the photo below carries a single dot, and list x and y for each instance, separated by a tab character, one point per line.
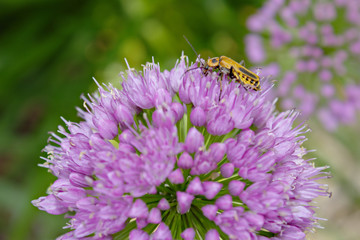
185	161
139	209
163	204
212	234
123	115
224	202
236	187
178	109
138	234
211	189
195	187
176	177
184	201
210	211
227	170
188	234
194	140
198	117
154	216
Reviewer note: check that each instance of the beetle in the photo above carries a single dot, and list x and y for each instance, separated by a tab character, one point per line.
234	70
227	66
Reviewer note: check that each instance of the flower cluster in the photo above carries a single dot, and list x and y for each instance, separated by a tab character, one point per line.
172	155
313	48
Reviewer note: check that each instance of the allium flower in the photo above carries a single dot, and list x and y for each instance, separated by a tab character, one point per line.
313	49
174	156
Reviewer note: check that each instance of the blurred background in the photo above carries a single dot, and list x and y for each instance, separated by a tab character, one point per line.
49	52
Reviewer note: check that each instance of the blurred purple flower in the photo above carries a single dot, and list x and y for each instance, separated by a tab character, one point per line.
173	156
316	46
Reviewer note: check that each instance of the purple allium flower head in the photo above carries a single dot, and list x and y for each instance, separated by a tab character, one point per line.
315	45
176	155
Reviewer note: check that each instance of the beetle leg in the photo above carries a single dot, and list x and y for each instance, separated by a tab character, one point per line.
233	74
236	75
221	77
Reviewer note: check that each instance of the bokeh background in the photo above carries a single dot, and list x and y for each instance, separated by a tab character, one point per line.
49	52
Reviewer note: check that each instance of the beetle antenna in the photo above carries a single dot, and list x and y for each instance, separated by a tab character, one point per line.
191	46
190	70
